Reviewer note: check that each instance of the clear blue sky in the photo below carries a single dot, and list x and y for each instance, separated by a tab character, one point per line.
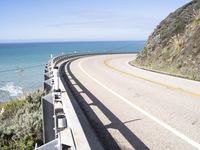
81	20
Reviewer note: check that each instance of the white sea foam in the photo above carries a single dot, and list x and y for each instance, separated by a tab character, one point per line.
12	89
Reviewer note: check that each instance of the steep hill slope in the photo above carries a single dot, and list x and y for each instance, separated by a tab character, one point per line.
174	46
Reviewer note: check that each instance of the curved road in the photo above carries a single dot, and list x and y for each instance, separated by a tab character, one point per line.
139	109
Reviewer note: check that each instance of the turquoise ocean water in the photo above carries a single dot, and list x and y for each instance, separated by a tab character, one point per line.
22	64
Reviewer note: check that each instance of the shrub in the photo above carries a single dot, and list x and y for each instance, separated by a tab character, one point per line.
11	108
177	43
165	54
21	122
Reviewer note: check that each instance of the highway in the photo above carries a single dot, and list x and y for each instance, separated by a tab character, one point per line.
131	108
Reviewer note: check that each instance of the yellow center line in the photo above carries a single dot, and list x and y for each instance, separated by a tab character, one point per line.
151	81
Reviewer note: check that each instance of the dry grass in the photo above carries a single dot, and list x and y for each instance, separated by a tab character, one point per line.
196	20
173	71
165	54
177	43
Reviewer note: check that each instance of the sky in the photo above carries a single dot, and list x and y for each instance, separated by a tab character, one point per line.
82	20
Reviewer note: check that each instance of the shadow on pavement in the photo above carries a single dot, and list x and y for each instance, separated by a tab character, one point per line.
101	129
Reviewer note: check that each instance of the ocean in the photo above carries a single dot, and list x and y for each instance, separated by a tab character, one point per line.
22	64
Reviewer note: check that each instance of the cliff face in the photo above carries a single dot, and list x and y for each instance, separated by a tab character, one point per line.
174	46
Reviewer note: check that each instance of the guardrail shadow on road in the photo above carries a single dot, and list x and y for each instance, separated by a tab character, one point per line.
101	129
89	133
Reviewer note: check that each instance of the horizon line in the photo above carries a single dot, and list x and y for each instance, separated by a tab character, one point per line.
65	41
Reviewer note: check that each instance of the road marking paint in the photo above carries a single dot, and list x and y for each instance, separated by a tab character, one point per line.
166	126
152	81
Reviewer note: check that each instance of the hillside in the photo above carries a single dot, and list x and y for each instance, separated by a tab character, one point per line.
21	122
174	46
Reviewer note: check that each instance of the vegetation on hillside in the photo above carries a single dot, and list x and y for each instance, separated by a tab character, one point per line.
21	122
174	46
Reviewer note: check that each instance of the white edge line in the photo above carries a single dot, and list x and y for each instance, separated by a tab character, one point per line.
166	126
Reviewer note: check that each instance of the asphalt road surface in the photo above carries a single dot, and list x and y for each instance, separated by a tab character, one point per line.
139	109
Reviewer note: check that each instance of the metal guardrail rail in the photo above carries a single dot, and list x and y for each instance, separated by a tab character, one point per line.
59	122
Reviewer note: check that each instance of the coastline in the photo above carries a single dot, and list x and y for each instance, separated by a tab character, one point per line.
22	64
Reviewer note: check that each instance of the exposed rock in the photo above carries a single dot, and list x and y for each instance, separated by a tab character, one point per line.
174	46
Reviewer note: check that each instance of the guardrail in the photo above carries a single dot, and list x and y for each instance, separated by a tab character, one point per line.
58	132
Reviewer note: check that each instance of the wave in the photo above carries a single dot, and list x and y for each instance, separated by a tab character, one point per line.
12	89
